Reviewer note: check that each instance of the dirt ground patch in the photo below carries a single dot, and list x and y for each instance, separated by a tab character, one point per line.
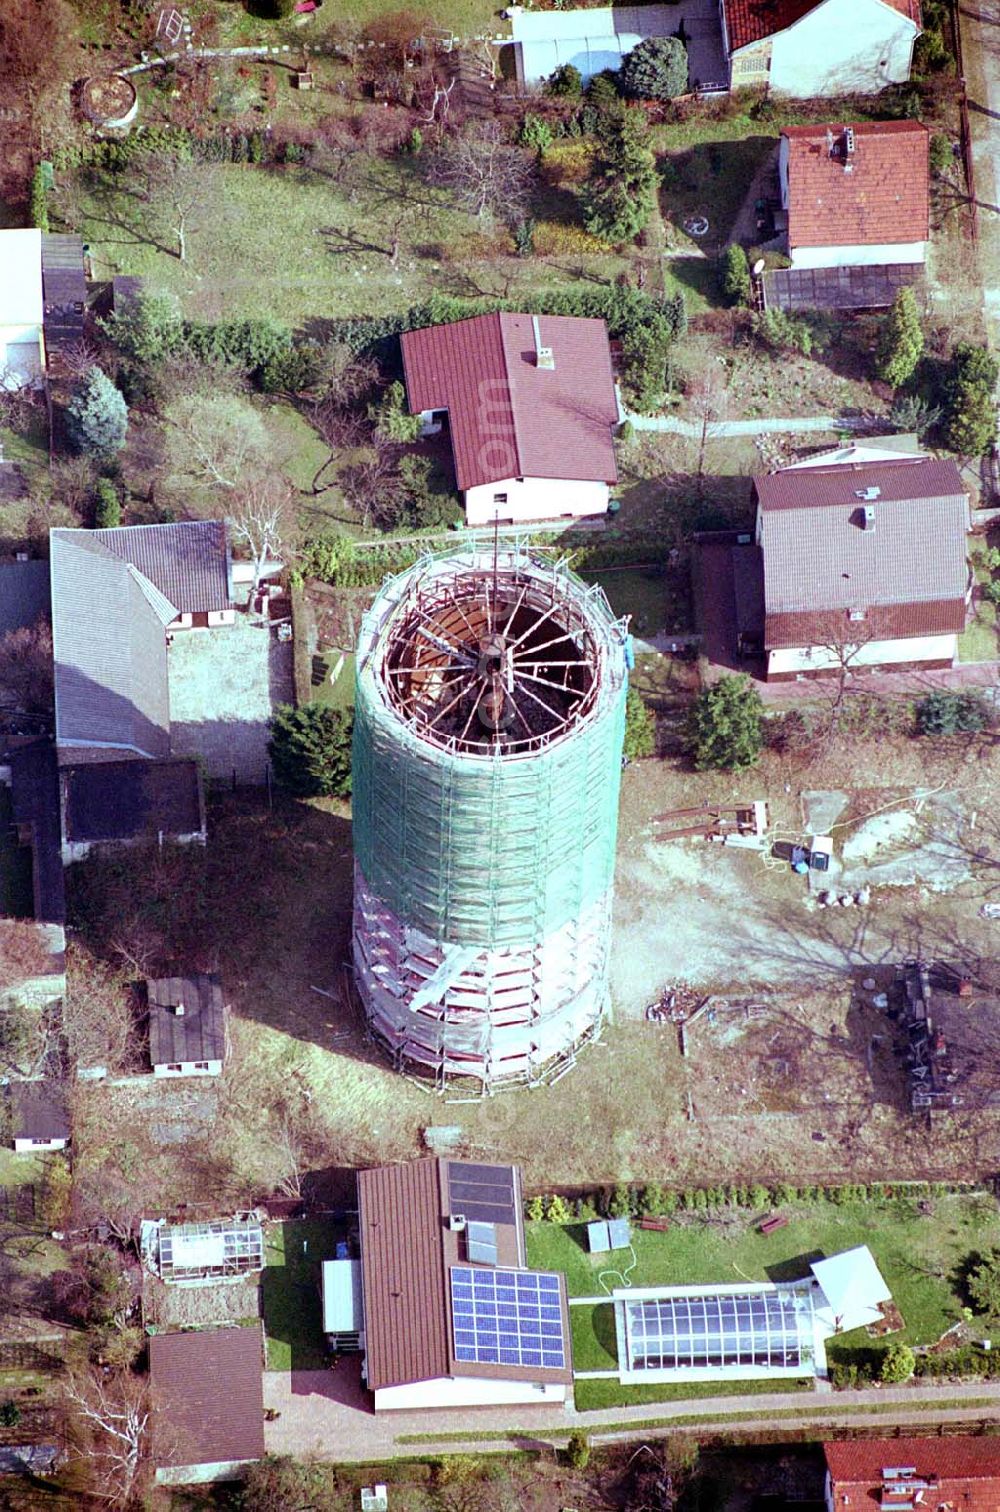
199	1306
306	1095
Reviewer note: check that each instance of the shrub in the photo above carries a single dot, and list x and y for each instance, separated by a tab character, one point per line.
524	237
901	340
930	54
147	329
657	69
941	155
535	1209
910	412
39	199
292	370
535	133
626	431
108	505
604	89
565	83
734	273
10	1413
578	1451
310	750
390	417
556	1210
724	728
651	1201
983	1283
640	727
971	410
898	1364
991	591
783	332
415	142
951	714
620	1201
96	415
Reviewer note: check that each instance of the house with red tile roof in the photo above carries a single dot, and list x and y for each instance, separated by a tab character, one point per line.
450	1316
529	405
865	565
932	1474
805	49
856	195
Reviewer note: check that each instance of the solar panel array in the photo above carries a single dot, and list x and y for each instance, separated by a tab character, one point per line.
507	1317
483	1192
763	1329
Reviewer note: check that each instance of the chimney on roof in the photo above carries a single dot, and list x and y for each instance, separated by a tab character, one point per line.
544	356
177	1009
848	149
869	521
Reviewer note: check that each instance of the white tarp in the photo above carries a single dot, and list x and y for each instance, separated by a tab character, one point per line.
852	1286
342	1311
590	40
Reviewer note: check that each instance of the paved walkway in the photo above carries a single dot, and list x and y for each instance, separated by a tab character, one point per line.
800	423
325	1413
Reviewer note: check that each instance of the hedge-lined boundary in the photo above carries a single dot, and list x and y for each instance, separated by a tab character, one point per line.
655	1201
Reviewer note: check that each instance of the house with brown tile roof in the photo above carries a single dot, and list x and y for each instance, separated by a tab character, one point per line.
865	565
903	1473
856	195
452	1317
207	1392
805	49
529	405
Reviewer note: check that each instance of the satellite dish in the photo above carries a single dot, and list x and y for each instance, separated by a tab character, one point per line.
758	267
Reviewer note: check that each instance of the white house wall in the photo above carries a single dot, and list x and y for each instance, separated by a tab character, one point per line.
467	1391
842	47
33	1146
926	648
534	499
190	1068
853	257
22	357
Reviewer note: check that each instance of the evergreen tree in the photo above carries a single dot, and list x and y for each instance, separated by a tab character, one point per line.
108	506
901	341
655	70
983	1283
898	1364
725	725
640	727
972	417
620	194
735	273
310	750
97	415
565	83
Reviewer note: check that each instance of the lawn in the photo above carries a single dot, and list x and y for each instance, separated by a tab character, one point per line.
333	254
339	694
290	1293
640	592
978	642
918	1255
709	178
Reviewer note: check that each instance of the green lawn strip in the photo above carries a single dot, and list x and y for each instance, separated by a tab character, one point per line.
918	1256
340	694
640	592
333	255
689	1420
595	1396
979	641
709	178
290	1293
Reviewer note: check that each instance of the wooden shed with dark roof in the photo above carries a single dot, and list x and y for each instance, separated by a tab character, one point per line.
39	1115
452	1315
207	1389
187	1025
64	294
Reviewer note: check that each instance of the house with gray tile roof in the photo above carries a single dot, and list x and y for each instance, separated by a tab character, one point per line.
117	596
865	565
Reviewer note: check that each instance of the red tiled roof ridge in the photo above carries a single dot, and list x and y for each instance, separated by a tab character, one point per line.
749	21
876	195
857	1461
507	418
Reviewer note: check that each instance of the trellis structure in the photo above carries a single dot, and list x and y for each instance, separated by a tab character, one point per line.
489	719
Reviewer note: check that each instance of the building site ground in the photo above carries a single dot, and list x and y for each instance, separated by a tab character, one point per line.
792	1075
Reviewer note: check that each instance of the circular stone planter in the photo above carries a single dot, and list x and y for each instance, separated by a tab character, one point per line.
109	100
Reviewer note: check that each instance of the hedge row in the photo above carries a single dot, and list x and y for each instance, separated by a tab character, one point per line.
966	1362
655	1201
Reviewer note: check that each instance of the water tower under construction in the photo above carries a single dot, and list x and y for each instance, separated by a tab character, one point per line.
489	720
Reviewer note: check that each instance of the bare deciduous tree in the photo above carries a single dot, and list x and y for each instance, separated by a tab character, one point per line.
97	1016
111	1415
26	668
260	520
484	174
179	194
223	440
708	399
